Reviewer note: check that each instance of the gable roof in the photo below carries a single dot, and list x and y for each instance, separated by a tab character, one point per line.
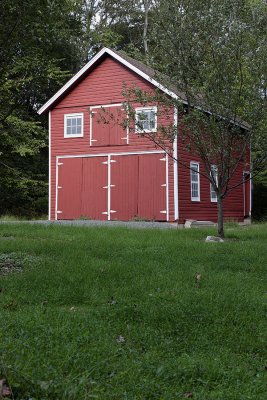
146	72
140	69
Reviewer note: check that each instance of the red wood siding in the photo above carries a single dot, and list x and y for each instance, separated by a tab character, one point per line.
102	86
205	209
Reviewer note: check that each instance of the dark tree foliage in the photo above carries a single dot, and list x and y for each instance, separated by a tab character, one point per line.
39	48
44	42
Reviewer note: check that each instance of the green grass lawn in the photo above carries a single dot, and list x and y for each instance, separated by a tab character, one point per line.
116	313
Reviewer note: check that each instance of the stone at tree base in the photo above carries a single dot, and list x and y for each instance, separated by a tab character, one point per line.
214	239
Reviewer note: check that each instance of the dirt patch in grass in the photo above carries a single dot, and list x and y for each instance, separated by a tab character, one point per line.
15	262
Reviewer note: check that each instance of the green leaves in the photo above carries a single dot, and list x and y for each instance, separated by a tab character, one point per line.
40	47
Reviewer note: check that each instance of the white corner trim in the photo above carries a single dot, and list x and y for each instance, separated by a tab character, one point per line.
251	185
109	186
175	166
56	200
49	166
167	188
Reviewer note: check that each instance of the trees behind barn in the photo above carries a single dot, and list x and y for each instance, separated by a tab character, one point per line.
215	48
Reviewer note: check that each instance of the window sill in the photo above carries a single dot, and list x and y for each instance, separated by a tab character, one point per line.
72	136
145	131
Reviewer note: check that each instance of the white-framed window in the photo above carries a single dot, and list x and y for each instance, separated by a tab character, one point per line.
73	125
195	181
146	119
214	174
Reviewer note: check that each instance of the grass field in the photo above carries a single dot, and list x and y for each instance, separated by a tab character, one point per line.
116	313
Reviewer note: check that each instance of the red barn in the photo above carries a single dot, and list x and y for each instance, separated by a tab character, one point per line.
100	171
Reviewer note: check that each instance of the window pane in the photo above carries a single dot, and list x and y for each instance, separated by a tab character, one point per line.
146	120
73	125
146	125
194	181
214	174
152	120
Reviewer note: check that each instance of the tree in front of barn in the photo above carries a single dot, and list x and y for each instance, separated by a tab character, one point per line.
215	53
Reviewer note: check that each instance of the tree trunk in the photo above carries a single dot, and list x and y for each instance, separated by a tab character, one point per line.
146	7
220	216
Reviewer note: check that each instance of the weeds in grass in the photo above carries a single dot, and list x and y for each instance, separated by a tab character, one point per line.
15	262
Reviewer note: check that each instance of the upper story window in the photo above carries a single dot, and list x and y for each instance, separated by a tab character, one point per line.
195	181
73	125
146	119
214	174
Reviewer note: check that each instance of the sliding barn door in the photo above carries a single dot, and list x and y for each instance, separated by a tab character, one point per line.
120	187
124	189
94	188
152	187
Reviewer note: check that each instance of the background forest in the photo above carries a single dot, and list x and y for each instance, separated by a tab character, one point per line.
44	42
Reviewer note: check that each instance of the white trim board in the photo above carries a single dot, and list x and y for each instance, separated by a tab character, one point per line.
113	154
175	167
49	166
167	187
